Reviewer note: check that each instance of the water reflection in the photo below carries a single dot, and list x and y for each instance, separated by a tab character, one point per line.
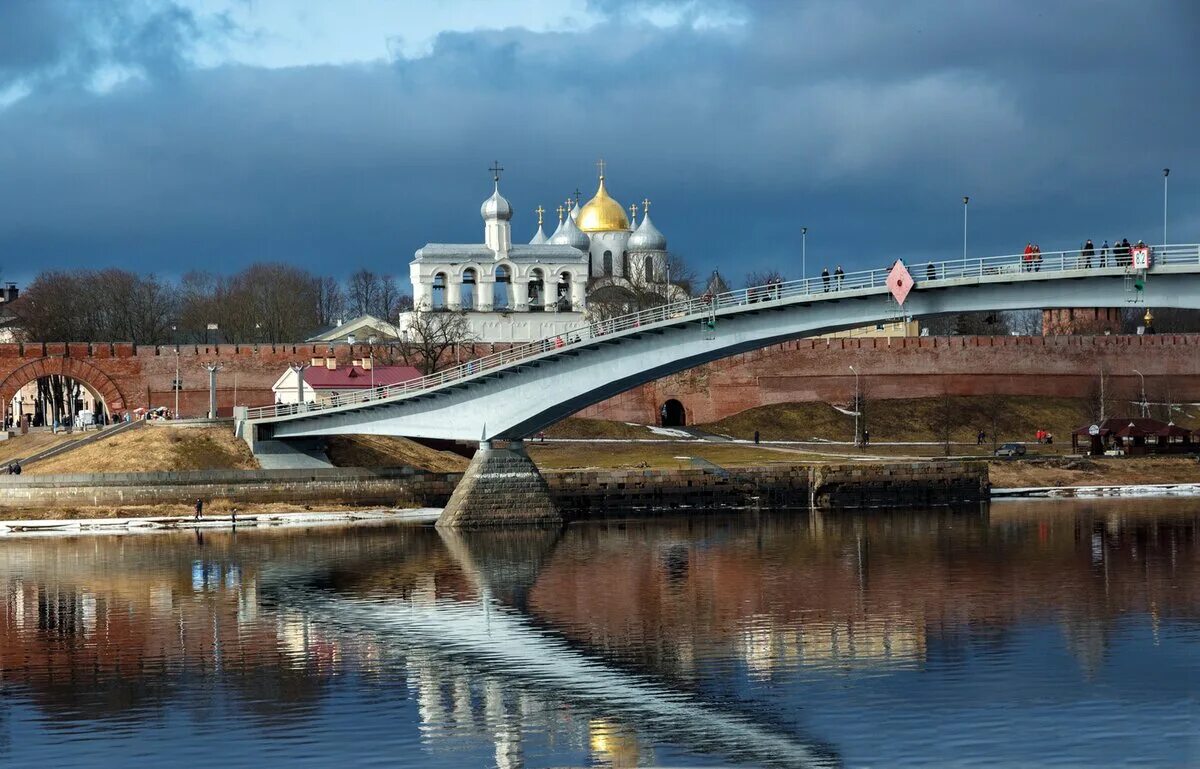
766	640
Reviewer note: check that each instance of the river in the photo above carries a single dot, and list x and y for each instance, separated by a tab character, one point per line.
1034	632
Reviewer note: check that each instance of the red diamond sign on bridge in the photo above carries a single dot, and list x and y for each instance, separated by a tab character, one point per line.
899	282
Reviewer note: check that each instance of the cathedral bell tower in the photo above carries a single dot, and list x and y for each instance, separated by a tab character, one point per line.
497	218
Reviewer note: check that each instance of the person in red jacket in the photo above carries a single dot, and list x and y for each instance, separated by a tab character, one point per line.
1028	257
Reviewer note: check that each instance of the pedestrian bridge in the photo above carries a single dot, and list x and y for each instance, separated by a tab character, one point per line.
515	393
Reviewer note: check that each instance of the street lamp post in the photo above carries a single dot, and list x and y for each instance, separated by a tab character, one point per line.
299	369
212	389
857	405
371	357
804	252
966	200
1145	405
178	384
1166	173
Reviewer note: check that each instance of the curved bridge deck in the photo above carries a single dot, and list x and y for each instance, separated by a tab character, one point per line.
518	391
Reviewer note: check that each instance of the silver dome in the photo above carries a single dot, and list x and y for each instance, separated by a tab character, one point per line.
496	207
569	234
539	237
647	237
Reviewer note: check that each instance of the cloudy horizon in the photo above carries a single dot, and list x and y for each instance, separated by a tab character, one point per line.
166	135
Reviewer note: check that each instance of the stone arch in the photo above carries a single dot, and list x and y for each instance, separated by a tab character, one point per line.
441	283
78	369
672	413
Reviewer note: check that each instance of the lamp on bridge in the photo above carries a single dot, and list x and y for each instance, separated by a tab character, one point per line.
804	252
1166	173
966	200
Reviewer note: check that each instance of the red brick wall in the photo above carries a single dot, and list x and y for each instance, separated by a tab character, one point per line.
819	370
795	371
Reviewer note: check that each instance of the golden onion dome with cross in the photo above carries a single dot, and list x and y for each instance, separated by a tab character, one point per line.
602	213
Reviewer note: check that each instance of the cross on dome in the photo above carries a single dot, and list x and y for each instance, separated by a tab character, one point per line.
496	169
646	206
633	211
539	210
560	214
600	165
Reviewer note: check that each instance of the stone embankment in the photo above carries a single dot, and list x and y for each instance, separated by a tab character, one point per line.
350	486
503	487
583	493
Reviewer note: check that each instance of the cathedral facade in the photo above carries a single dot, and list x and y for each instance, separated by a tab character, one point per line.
528	291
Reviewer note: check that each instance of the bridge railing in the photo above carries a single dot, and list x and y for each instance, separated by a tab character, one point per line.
707	306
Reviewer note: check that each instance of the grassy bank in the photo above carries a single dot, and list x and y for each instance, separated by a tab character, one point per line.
154	449
1012	418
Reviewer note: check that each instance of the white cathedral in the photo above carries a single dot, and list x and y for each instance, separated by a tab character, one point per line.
524	292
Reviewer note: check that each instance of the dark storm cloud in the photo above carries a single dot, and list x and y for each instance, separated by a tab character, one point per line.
864	121
66	41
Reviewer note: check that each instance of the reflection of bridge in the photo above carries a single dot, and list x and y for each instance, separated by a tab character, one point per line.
516	392
495	641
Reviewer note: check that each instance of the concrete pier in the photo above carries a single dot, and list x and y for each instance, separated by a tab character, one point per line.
501	487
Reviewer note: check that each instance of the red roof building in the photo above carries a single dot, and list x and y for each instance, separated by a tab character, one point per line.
325	378
1136	435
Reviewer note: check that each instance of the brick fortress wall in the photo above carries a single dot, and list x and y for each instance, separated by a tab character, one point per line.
803	370
915	367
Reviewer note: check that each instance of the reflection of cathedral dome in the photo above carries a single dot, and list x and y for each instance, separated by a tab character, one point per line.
602	213
496	207
647	237
569	235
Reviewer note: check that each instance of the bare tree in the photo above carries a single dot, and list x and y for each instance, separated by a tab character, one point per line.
947	417
362	293
763	277
1100	396
331	301
387	300
680	274
993	412
430	335
84	305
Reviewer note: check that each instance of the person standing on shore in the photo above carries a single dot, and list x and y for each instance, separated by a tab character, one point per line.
199	508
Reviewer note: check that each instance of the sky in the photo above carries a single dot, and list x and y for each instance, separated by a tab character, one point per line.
167	135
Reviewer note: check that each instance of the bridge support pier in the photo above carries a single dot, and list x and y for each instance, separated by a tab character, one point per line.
501	487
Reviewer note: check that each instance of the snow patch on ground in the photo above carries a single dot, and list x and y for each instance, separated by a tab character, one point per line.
1092	492
668	431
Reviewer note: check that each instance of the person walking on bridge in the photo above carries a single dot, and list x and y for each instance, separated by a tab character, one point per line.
931	272
1104	254
840	276
825	277
1088	252
1027	259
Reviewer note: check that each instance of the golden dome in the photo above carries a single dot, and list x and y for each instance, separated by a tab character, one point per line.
602	213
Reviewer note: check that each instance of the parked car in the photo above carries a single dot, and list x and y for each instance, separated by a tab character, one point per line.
1011	450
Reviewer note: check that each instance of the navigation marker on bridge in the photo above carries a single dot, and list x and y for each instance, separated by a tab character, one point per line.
899	282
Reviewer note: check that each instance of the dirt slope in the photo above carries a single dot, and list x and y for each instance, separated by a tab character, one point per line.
155	449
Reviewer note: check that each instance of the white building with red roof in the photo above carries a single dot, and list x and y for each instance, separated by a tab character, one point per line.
325	378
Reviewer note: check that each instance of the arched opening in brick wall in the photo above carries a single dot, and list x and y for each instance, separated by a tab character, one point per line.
672	414
86	386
